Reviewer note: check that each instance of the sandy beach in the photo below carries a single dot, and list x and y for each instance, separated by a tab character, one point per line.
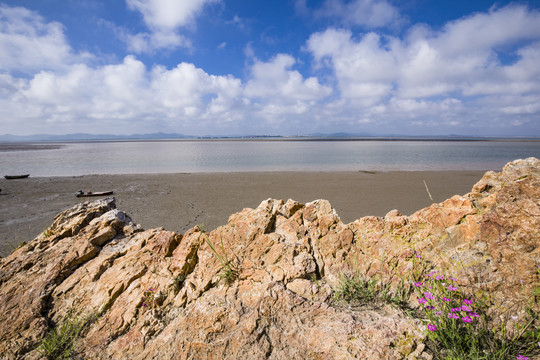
177	202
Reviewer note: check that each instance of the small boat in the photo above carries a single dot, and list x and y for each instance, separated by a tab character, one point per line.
11	177
81	193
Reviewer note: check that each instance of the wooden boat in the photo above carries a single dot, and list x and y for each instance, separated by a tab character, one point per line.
89	193
11	177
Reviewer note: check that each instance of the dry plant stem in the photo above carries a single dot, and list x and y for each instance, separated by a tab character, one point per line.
425	184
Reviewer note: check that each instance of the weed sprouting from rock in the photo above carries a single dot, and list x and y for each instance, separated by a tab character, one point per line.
59	343
229	270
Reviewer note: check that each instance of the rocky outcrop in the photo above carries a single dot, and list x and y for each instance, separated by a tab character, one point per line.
260	287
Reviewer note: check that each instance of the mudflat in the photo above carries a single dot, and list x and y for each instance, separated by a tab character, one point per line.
178	202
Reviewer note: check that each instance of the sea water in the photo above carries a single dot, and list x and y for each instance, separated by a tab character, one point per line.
144	157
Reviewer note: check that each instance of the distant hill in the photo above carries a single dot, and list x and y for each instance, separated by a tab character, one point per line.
90	137
173	136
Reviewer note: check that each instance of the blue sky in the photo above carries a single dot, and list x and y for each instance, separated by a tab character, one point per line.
287	67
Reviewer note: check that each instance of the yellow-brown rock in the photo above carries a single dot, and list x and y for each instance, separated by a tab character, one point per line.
161	295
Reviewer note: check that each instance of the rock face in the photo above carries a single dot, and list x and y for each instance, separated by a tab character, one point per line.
260	286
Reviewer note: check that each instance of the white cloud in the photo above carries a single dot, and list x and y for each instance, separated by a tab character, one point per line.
485	32
368	13
429	71
149	42
364	68
274	79
163	18
28	43
168	14
427	80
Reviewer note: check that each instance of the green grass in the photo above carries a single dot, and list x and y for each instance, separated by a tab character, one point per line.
59	343
229	270
361	290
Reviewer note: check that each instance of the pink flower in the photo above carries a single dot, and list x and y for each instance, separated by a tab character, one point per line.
453	316
446	299
429	296
521	357
466	308
466	319
429	307
451	288
422	301
439	277
417	284
455	309
467	302
473	314
432	327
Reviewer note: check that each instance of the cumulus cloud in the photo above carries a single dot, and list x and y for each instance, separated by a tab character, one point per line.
130	95
423	72
275	79
29	43
429	78
163	18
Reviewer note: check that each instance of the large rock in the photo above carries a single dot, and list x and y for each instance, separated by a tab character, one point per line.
161	295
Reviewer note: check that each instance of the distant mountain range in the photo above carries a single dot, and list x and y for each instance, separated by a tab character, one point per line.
90	137
173	136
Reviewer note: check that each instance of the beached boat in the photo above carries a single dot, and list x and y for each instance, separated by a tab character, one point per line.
89	193
11	177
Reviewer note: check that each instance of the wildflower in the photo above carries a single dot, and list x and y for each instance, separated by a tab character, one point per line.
521	357
418	256
417	284
429	275
422	301
438	313
453	279
451	288
429	307
455	309
474	314
446	299
429	296
466	308
439	277
452	315
514	317
466	319
467	302
432	327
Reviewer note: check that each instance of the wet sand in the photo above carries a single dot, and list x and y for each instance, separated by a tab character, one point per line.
177	202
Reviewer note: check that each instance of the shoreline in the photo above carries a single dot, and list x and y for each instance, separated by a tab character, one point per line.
179	201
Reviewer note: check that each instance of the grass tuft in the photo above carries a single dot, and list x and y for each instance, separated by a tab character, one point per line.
229	271
59	343
361	290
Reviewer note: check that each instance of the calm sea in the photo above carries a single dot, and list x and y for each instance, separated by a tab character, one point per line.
144	157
